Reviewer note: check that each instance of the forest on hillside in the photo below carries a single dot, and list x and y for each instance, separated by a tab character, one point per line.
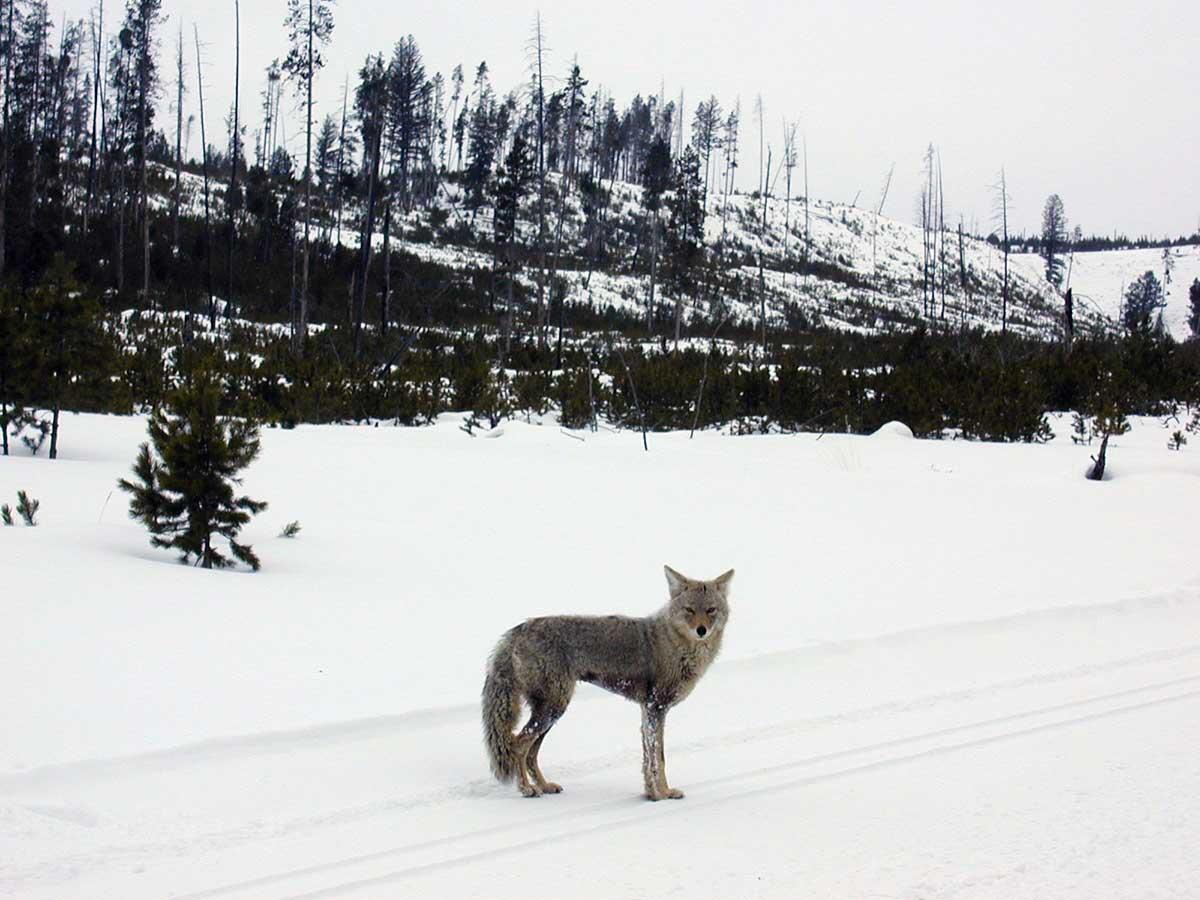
123	265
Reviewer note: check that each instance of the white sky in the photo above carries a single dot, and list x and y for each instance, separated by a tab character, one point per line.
1094	100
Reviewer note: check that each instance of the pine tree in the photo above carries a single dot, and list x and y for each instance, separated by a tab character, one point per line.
184	493
656	179
68	348
1143	299
1194	307
685	232
1054	238
514	180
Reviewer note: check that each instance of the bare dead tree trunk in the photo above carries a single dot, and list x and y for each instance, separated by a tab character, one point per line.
1096	473
875	231
558	234
175	196
212	304
233	179
385	300
541	236
144	89
653	271
1004	237
637	403
340	162
97	43
9	37
712	345
302	331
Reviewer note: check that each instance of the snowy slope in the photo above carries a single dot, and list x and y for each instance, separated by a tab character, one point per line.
952	670
1099	279
868	274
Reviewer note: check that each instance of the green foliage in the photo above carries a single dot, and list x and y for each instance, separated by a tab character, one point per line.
184	492
1194	308
27	508
6	515
685	229
1054	238
291	529
1143	301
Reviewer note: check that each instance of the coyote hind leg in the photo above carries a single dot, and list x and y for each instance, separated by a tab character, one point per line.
542	716
546	787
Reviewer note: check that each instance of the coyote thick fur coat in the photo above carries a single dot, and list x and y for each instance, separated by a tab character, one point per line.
654	661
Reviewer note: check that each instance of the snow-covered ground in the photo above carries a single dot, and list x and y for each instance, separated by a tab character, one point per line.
952	670
1099	279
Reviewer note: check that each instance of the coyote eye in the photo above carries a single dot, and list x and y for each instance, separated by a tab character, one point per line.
689	610
711	610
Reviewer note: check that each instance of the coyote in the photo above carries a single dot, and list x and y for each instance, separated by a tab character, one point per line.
655	661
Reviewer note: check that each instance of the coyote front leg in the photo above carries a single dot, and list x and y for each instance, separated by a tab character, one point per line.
654	767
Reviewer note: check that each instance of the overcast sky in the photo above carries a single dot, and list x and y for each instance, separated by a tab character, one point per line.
1095	101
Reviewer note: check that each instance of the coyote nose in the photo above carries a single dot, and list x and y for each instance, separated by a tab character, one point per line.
702	631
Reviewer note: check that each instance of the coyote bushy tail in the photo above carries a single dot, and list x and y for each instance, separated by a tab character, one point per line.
501	709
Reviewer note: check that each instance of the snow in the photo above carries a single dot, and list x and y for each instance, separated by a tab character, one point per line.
1099	279
951	670
893	430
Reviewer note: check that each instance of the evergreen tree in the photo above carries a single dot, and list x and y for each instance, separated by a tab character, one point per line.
1143	299
184	493
685	232
1194	308
656	178
1054	238
68	349
481	139
514	180
12	350
408	113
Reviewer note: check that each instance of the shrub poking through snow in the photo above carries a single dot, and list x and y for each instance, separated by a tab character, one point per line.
184	493
1178	439
27	508
291	529
6	515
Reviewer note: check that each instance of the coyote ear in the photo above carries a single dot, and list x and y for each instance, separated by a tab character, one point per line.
722	581
675	581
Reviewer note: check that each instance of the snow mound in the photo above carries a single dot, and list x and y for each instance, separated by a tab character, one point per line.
894	430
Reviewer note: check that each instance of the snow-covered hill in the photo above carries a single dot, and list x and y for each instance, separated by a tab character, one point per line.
824	263
1099	279
833	264
952	670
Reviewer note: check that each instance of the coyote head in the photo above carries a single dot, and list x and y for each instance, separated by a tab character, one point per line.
698	609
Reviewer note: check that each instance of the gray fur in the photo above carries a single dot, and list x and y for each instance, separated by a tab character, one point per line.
654	661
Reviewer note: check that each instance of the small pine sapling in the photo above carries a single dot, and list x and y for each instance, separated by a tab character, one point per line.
291	529
184	492
27	508
1178	439
1081	432
6	515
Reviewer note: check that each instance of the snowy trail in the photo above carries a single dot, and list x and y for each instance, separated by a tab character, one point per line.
842	742
952	670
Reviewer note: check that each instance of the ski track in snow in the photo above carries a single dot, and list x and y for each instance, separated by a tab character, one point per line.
953	729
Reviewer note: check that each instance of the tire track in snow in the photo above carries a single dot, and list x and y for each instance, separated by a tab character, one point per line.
731	787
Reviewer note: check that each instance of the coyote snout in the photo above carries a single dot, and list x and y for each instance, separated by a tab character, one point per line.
655	661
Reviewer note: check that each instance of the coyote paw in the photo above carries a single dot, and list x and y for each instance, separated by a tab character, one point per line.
551	788
669	794
529	790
